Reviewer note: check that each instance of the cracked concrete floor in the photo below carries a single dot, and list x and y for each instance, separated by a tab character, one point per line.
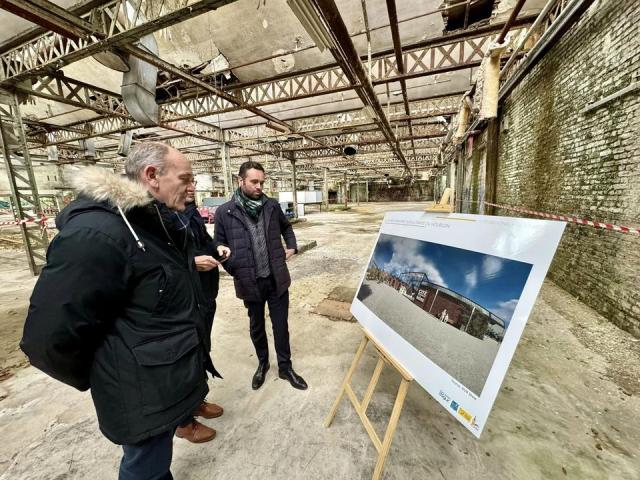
568	408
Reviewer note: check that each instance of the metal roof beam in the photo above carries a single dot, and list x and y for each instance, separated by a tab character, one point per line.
53	51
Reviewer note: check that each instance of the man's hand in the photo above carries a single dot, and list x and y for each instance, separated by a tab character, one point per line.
289	253
224	252
204	263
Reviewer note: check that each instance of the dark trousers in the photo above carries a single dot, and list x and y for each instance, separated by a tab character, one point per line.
279	311
149	459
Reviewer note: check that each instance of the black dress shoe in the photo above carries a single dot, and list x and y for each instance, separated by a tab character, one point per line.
294	379
258	377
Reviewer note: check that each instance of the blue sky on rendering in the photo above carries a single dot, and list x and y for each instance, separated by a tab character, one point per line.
493	282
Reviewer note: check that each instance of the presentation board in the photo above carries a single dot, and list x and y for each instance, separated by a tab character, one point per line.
448	297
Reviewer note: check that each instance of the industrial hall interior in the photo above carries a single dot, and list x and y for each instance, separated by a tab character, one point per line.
320	239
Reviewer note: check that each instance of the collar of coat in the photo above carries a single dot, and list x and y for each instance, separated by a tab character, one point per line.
103	185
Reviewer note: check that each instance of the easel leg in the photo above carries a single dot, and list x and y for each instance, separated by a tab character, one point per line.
391	428
347	380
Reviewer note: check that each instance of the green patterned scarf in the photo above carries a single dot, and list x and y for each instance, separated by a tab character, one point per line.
250	206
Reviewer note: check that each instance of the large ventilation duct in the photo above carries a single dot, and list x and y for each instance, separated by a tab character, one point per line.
125	143
139	83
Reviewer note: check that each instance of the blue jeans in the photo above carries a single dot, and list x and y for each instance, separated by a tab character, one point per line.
149	459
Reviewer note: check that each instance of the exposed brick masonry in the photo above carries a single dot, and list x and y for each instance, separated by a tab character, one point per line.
554	158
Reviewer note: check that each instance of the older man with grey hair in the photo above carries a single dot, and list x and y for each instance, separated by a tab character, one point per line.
118	307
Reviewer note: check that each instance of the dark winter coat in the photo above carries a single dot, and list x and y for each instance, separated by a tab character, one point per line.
210	281
120	317
203	245
231	230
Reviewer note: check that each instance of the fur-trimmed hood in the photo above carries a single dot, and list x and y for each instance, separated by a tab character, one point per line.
102	185
100	189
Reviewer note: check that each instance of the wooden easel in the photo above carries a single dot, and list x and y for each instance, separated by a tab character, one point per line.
383	446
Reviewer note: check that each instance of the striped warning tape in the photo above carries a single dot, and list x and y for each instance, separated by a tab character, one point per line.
571	219
42	220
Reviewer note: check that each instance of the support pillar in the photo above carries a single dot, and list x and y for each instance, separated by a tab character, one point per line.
24	191
226	169
357	191
366	191
325	191
346	191
294	185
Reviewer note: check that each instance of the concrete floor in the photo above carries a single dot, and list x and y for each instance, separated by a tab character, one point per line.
568	409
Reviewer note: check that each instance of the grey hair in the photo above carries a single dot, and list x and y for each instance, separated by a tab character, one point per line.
144	154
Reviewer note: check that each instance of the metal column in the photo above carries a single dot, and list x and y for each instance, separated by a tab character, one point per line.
325	191
226	170
22	182
346	191
357	190
294	185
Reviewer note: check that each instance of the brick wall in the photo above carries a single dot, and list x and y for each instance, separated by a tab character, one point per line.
554	158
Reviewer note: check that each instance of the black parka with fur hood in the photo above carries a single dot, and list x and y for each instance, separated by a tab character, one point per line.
117	309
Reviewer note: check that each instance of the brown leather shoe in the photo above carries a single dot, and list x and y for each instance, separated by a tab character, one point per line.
208	410
196	432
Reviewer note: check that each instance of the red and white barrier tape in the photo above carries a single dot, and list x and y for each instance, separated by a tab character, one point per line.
41	220
571	219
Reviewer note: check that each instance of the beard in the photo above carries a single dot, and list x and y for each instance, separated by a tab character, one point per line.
251	195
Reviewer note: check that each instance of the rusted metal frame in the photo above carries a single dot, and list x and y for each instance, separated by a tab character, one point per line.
314	82
22	181
444	40
368	138
34	32
211	104
415	161
69	91
345	130
355	34
166	66
168	115
432	106
52	50
371	147
73	92
466	14
368	150
397	47
512	17
419	161
421	131
347	57
372	141
50	16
